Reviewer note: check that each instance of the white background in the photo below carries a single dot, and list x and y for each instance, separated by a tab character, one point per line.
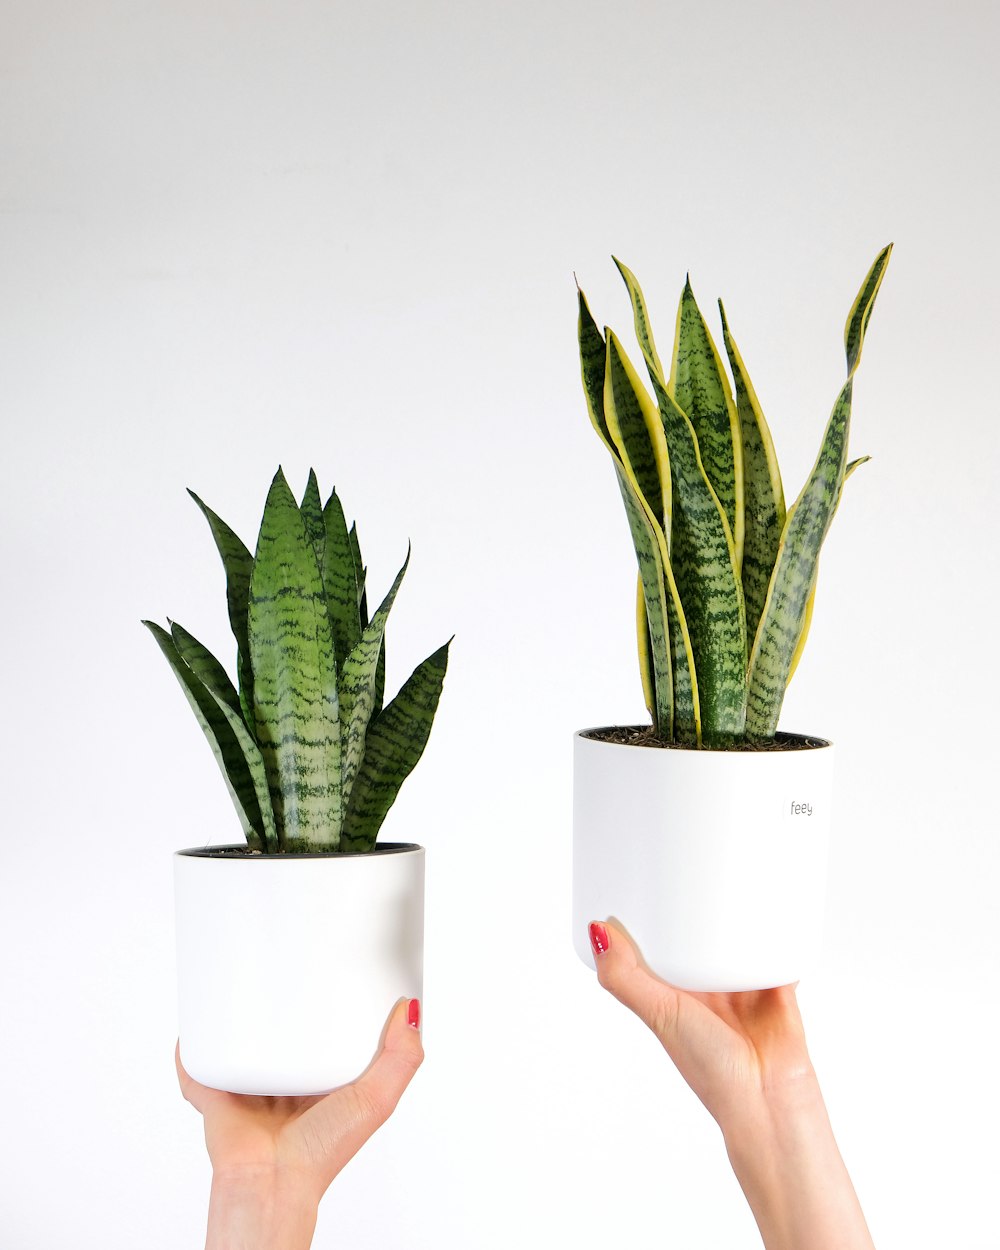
238	234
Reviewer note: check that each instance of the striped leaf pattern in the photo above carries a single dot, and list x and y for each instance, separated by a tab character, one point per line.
340	578
811	602
311	508
593	360
650	536
708	582
649	545
291	742
215	681
644	334
643	329
360	574
295	677
699	387
396	740
238	564
357	686
721	564
636	430
638	439
783	622
861	309
220	737
647	657
763	496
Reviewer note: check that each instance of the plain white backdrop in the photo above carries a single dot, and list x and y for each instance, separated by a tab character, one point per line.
344	235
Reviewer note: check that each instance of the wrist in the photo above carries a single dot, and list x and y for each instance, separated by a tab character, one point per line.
786	1159
775	1119
261	1208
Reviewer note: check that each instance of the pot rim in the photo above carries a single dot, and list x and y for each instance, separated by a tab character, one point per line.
222	853
809	742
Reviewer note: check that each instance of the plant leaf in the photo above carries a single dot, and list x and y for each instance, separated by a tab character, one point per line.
220	737
811	602
380	679
360	573
861	309
312	517
643	329
644	334
593	354
215	681
647	656
340	579
763	496
699	387
295	678
649	547
636	431
238	564
654	638
640	435
357	686
784	618
707	578
395	742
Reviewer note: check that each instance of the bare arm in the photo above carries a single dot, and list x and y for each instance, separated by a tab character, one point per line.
745	1057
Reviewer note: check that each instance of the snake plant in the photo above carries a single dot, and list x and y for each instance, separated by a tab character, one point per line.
311	758
727	575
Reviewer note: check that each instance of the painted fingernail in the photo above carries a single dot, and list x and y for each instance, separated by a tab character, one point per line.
599	939
413	1013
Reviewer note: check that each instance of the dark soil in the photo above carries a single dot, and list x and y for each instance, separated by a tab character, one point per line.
244	852
643	736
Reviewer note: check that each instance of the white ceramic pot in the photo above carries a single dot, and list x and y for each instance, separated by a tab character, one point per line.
288	965
714	861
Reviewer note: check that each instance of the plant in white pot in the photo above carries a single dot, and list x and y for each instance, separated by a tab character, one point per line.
705	833
293	946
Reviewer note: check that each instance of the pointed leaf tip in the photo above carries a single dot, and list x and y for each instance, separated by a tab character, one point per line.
440	657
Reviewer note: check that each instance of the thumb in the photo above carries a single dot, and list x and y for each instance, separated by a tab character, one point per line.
398	1057
351	1114
623	973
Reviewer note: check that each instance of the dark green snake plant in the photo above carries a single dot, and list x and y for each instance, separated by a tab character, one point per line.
727	576
311	758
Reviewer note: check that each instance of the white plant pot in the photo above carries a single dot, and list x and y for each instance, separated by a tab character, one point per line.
288	965
714	861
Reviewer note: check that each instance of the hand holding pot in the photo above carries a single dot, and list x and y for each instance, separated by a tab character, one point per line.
745	1056
273	1158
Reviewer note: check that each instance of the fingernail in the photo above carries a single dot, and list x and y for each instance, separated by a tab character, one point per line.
599	939
413	1013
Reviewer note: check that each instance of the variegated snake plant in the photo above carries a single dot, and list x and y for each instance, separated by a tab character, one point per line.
727	576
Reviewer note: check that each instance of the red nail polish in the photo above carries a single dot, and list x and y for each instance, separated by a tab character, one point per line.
599	939
413	1013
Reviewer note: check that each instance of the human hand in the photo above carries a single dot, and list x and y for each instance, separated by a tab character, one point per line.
744	1055
273	1158
736	1051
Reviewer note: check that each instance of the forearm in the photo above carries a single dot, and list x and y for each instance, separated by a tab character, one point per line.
788	1164
260	1212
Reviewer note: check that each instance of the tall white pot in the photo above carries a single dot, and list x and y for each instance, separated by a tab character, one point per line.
288	965
714	861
